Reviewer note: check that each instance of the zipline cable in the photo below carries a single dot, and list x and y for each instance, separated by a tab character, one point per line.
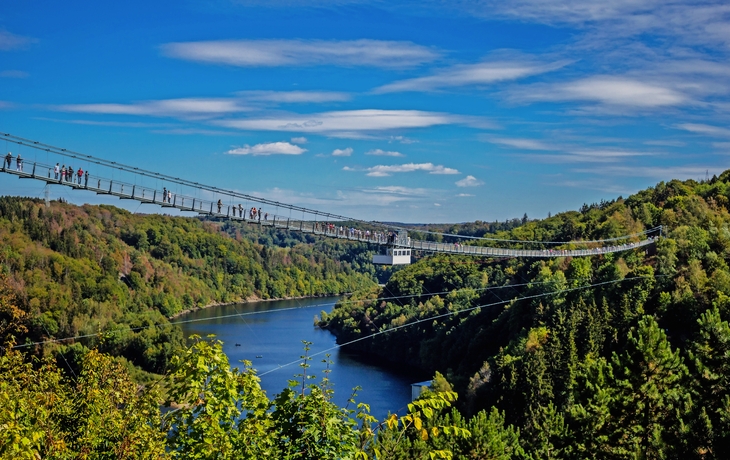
232	315
444	315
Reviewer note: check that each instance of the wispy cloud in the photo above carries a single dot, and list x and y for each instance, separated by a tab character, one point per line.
299	140
601	155
664	173
346	199
399	190
9	41
294	97
384	153
345	122
185	107
271	148
120	124
666	143
568	153
346	152
14	74
484	73
463	195
521	143
469	181
273	53
703	21
708	130
387	170
195	132
606	90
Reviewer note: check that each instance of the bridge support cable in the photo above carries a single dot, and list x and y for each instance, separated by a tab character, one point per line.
321	223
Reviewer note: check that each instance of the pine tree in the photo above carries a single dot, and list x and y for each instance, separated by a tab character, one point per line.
710	365
650	401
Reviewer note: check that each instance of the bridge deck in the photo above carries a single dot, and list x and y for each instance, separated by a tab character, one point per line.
104	186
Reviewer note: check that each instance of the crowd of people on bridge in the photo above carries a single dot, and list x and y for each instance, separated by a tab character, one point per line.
67	174
358	234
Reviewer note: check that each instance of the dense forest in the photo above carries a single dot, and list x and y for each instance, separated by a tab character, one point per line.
104	272
618	356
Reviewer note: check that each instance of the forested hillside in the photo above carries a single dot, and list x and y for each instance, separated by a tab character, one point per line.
96	269
617	356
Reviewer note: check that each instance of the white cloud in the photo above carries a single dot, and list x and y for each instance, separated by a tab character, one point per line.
9	41
14	74
299	140
292	97
387	170
401	139
384	153
166	107
345	122
469	181
271	148
271	53
473	74
342	152
461	195
608	90
709	130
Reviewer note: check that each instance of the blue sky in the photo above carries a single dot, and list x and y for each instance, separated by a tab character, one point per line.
423	111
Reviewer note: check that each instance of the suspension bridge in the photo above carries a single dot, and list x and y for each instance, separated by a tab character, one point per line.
220	203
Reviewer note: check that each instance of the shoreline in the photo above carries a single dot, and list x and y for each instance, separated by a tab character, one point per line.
251	300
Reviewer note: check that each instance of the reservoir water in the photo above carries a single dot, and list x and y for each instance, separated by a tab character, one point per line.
270	334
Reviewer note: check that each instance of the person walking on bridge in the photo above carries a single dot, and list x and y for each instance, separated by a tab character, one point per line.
86	178
80	173
164	194
55	171
8	159
19	163
220	205
240	210
63	173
